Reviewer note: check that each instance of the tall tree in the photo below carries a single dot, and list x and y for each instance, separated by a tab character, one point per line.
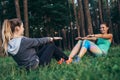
26	17
118	22
88	17
4	9
1	48
64	38
119	7
81	17
76	19
100	10
108	12
3	13
17	8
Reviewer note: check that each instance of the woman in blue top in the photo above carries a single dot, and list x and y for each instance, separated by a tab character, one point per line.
84	44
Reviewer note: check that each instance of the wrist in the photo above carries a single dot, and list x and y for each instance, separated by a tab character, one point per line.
51	39
91	35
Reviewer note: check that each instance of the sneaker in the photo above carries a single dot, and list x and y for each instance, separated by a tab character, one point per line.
61	61
69	61
76	60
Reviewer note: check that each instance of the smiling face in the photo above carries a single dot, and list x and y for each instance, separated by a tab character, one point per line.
103	29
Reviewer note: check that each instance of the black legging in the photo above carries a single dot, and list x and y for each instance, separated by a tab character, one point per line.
48	51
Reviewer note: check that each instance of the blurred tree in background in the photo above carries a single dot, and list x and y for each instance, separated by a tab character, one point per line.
66	18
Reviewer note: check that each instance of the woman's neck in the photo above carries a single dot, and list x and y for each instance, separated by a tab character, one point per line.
16	35
104	33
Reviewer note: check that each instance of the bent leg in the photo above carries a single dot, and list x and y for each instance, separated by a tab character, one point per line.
51	51
76	49
40	52
95	49
58	54
84	48
88	45
46	54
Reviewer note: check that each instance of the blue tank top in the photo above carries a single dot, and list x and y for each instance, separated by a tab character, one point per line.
103	44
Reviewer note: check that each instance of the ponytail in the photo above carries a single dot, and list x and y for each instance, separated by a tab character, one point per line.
6	34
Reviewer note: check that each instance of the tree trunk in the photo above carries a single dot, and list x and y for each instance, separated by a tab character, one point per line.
119	7
1	48
109	19
72	34
118	25
17	8
81	17
100	10
64	39
76	19
59	33
26	18
4	11
88	17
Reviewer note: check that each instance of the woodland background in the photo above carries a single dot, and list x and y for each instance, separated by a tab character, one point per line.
65	18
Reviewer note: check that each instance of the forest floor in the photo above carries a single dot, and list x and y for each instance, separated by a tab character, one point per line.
89	68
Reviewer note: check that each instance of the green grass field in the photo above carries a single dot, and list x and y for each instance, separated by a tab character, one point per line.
89	68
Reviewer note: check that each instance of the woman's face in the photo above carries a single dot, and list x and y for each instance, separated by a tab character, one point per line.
21	29
103	29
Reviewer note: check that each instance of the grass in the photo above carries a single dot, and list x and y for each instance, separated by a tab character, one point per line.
89	68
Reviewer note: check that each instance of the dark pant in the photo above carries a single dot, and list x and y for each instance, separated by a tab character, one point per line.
49	51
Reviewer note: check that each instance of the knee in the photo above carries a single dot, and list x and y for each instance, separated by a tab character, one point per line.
80	41
51	45
86	41
86	44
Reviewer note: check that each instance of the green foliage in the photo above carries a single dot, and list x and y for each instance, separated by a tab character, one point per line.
49	15
89	68
45	16
115	13
5	10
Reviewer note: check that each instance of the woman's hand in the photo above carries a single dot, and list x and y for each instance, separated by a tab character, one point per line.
91	35
83	38
57	38
78	38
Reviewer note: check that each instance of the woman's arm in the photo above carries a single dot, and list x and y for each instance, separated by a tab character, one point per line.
34	42
90	38
106	36
86	38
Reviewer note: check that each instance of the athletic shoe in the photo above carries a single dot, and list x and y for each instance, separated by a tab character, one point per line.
69	61
61	61
76	60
